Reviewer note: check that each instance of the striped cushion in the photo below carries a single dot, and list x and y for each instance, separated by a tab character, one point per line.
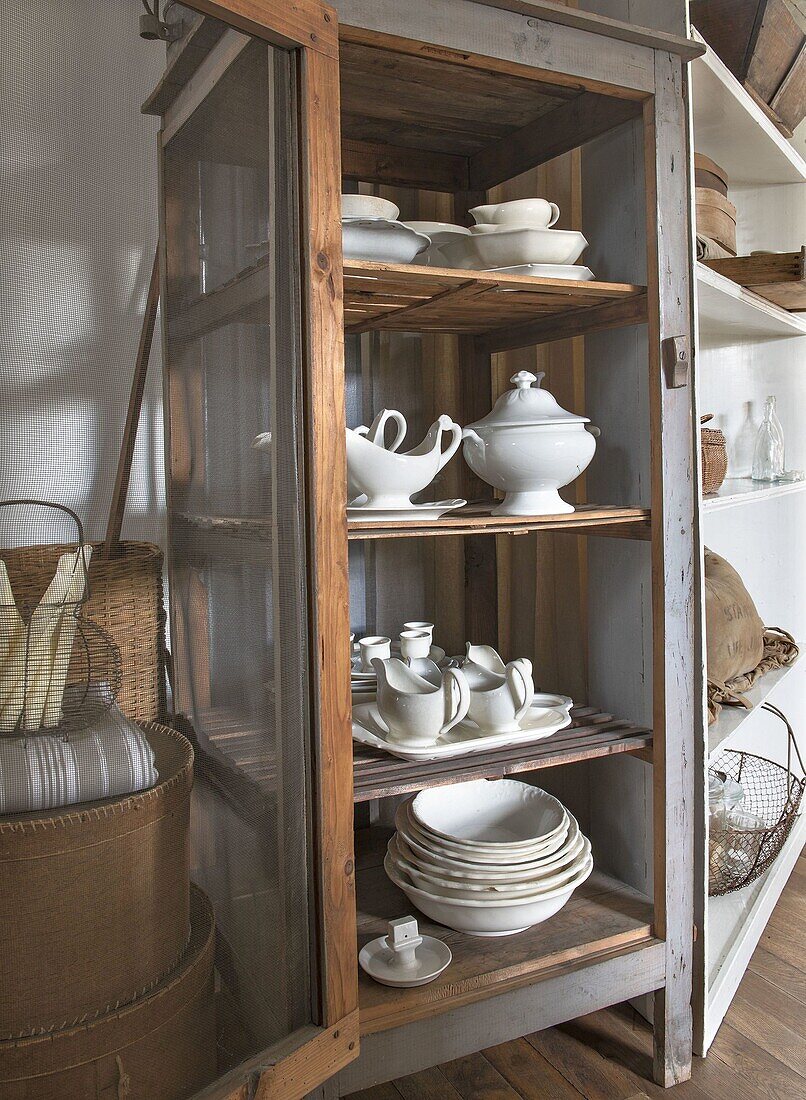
109	759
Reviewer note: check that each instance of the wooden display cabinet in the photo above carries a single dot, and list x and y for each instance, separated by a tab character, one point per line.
269	111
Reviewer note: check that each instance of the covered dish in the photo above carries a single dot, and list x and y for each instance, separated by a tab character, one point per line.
529	447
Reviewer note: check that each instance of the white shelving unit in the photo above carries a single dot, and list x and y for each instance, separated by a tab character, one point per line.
743	490
728	313
748	348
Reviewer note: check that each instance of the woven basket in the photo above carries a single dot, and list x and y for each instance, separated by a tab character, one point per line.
714	453
162	1046
125	600
94	898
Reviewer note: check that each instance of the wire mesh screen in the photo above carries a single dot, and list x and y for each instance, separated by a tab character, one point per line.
236	522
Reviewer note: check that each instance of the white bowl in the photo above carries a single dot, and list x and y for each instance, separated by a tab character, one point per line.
493	918
446	849
488	891
510	247
438	232
496	816
490	874
368	206
381	241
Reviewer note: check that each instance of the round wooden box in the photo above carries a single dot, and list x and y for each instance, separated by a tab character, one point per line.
94	902
162	1046
716	217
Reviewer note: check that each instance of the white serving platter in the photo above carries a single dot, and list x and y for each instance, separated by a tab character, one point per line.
463	739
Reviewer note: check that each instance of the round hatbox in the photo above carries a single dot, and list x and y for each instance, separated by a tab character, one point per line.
94	898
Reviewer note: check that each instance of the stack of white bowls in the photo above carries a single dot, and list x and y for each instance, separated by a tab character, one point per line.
487	858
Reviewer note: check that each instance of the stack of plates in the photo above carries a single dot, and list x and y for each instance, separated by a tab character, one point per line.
487	858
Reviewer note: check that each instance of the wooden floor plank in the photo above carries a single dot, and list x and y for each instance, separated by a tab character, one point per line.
385	1091
529	1073
591	1069
474	1078
779	973
429	1084
773	1020
766	1076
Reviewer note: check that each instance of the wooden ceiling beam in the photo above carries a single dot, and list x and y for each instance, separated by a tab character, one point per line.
565	128
372	162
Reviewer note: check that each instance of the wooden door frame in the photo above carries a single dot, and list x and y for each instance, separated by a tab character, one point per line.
313	1054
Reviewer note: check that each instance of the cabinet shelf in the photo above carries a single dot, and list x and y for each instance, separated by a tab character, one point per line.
602	917
732	129
729	314
593	734
731	718
241	299
476	519
513	310
743	490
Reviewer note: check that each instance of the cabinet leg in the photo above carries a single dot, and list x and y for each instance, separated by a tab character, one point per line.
673	1048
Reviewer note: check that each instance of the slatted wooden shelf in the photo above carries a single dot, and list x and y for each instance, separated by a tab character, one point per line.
407	297
603	917
601	519
376	774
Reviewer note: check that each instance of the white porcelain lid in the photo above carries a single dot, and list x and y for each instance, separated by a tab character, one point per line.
527	405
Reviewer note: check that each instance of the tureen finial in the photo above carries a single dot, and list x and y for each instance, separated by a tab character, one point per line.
524	378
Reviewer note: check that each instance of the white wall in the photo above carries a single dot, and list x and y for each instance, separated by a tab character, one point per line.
78	228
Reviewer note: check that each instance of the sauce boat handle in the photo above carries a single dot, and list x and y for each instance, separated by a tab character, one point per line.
456	439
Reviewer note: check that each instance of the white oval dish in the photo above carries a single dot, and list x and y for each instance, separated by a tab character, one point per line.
494	816
496	918
368	206
381	241
575	272
508	247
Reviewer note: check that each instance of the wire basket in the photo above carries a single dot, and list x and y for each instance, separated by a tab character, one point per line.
59	671
772	794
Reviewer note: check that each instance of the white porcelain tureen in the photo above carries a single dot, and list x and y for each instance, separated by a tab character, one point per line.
529	447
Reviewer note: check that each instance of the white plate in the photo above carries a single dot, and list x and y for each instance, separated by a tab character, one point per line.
437	655
548	271
495	816
490	892
456	869
459	741
432	510
520	859
432	956
503	918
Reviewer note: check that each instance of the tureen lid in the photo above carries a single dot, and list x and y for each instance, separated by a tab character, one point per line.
526	405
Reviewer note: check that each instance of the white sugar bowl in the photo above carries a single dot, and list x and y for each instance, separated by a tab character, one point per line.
529	446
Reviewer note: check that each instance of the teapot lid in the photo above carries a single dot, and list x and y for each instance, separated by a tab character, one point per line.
527	405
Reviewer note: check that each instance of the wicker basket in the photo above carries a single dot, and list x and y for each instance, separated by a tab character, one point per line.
714	451
94	898
125	600
162	1046
772	793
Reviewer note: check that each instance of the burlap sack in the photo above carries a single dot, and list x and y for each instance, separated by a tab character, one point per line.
734	630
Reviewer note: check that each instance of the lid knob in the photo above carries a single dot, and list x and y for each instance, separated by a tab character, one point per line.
524	378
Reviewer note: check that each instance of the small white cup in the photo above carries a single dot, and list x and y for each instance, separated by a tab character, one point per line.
426	628
414	644
374	646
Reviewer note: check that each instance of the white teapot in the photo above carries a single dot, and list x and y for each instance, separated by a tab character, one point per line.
530	447
389	479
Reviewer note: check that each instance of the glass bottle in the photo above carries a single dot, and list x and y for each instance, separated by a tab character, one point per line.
779	431
768	456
